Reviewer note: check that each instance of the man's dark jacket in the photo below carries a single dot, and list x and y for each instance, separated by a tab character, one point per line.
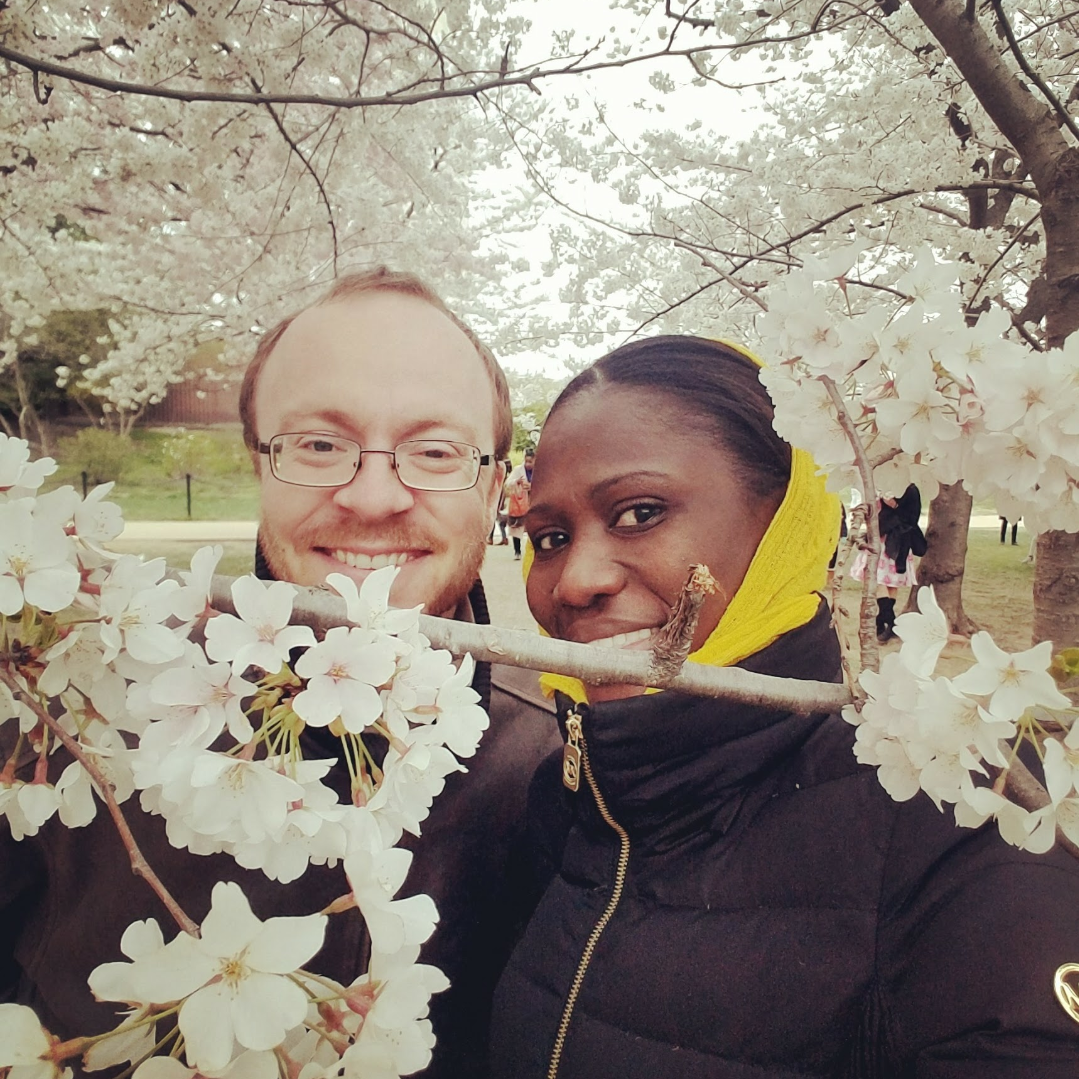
781	917
66	896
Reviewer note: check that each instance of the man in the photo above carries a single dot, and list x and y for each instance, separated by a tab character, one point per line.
358	393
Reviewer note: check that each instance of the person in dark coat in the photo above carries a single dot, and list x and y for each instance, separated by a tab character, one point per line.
375	363
720	891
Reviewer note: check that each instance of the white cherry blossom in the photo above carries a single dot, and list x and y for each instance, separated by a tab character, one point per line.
36	565
342	672
234	980
261	636
924	635
193	596
23	1043
16	468
369	606
375	875
1012	681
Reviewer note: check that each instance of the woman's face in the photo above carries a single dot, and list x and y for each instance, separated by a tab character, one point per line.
628	492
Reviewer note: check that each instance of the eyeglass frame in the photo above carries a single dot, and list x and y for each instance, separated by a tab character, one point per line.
482	459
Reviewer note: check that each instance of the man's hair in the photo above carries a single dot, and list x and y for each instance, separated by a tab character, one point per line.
719	390
380	279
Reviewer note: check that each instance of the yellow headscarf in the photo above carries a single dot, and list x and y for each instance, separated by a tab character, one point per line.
779	591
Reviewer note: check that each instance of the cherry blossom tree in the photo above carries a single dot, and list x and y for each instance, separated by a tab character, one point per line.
896	125
189	221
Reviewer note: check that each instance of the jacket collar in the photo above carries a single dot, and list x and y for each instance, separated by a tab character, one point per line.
669	764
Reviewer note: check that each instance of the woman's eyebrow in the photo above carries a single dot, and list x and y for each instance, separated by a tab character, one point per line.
637	476
600	489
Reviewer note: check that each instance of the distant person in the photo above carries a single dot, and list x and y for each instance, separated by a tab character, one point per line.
901	536
502	515
1004	530
519	485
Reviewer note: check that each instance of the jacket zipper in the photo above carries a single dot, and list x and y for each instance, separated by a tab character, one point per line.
574	760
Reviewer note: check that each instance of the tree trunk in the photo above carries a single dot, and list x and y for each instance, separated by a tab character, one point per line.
946	555
1056	590
1028	122
29	420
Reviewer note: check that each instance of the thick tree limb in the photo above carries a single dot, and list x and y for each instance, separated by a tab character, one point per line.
320	609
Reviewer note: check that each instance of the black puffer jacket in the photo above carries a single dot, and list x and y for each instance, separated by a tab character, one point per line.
780	916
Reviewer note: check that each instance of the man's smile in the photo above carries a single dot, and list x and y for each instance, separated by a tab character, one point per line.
360	560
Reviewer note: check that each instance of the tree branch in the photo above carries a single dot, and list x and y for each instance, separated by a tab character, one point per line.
139	865
321	609
1039	82
867	628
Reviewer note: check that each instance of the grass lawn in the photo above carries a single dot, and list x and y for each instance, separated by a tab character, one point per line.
151	486
997	595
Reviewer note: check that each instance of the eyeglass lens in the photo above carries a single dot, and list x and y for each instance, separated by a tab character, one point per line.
319	460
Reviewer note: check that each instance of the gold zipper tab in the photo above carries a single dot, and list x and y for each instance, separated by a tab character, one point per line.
575	759
571	753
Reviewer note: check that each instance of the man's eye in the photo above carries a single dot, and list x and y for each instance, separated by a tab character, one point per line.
320	445
637	515
550	541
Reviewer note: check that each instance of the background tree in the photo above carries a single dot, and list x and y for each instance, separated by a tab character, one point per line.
893	125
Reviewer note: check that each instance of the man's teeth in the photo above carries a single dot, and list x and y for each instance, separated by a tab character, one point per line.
371	561
622	640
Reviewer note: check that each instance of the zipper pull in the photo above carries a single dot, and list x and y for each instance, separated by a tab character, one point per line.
571	752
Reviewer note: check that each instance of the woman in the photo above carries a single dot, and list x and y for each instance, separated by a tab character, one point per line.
518	485
728	893
900	537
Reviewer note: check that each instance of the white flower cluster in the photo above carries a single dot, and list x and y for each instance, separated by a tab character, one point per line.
942	735
934	399
210	735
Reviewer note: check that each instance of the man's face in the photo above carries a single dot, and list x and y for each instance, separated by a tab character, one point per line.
380	369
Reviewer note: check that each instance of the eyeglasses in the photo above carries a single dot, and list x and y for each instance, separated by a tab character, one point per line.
310	459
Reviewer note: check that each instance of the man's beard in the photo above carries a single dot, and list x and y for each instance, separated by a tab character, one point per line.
283	558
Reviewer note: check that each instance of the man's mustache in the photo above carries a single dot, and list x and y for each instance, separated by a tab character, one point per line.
341	537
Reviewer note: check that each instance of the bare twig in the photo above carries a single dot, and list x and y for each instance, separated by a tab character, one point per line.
867	626
139	865
672	642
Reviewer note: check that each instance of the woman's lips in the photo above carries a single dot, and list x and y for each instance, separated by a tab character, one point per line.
632	639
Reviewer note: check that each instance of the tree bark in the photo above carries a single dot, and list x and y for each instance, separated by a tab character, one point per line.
945	558
1056	590
29	420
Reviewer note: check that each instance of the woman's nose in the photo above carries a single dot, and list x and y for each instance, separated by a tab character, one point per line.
589	574
375	492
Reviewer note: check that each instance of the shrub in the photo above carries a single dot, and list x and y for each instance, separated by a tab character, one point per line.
193	452
99	453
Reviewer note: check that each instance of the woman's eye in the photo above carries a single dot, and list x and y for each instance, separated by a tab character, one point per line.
550	541
637	515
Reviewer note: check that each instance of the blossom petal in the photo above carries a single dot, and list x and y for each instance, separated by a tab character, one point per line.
266	1009
230	926
205	1021
285	944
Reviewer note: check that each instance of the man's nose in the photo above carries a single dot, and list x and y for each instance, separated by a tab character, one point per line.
589	574
375	492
